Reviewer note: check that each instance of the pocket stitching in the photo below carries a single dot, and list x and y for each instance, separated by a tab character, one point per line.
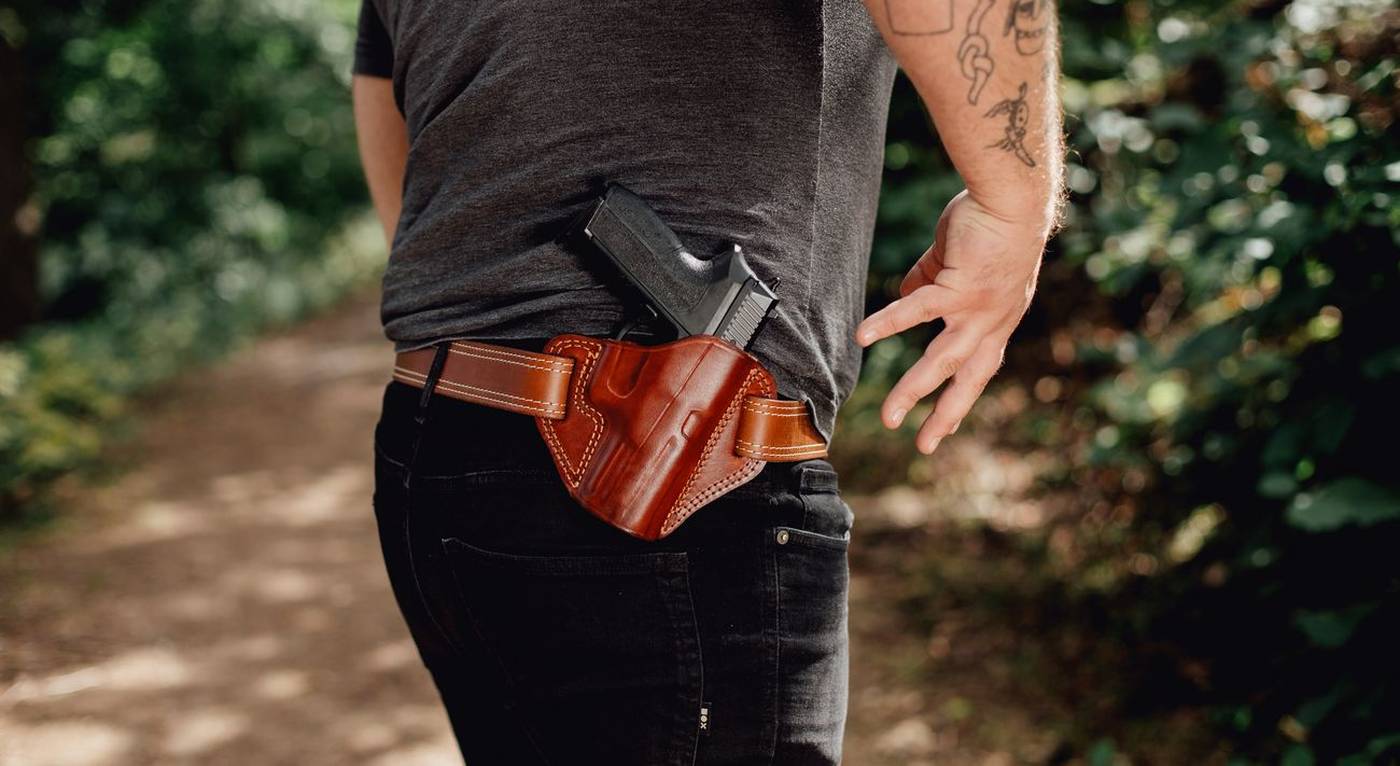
664	562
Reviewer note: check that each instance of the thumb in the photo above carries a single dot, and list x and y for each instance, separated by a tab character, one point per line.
924	271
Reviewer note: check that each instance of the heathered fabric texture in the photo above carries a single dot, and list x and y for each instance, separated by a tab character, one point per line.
759	122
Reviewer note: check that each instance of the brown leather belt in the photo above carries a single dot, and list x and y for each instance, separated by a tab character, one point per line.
532	383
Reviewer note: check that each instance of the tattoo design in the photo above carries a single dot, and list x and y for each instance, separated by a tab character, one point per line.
920	17
1028	19
974	55
1017	116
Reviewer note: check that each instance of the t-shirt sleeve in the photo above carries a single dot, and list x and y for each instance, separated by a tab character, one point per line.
374	51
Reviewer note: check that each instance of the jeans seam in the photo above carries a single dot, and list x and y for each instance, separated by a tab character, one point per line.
422	420
687	736
417	581
507	680
775	580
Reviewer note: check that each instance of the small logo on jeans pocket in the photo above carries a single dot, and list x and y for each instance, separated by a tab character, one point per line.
705	718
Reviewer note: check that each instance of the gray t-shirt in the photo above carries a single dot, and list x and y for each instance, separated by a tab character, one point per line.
759	122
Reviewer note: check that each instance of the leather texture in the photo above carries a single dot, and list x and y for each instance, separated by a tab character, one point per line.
779	430
497	376
643	436
649	431
532	383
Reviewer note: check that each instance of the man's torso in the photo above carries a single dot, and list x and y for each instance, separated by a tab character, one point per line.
759	122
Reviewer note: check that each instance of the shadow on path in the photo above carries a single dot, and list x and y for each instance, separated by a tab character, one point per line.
223	601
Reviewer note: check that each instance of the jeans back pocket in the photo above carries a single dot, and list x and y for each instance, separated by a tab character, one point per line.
601	653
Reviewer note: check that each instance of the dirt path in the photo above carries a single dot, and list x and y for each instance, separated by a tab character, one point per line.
222	600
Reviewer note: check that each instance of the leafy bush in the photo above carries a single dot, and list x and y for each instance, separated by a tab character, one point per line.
1221	312
190	161
1245	202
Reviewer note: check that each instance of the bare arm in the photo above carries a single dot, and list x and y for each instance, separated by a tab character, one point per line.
383	141
988	72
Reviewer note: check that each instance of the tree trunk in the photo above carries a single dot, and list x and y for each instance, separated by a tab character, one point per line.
19	252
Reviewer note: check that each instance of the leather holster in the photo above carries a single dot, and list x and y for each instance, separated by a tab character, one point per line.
649	433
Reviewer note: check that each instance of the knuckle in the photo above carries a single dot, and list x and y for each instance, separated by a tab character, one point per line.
899	396
985	376
907	392
940	426
974	385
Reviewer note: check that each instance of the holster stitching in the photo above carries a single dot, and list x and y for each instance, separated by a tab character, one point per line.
772	413
780	447
685	506
571	475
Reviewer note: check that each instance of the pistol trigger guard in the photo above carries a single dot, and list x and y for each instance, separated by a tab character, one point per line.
647	314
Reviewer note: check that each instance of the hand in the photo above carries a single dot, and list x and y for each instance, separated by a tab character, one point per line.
978	276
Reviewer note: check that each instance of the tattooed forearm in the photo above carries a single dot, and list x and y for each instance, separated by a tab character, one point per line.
920	17
1017	116
975	55
1023	106
1028	20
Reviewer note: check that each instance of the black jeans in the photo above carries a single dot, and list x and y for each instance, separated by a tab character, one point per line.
555	639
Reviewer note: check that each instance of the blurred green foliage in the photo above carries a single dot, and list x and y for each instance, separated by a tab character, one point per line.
1212	351
195	180
1215	352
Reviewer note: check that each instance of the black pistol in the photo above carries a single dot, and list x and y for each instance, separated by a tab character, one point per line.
717	296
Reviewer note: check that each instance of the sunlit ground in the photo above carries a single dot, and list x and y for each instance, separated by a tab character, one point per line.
221	600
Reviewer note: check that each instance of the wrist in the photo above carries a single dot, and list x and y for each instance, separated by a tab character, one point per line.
1031	213
1031	203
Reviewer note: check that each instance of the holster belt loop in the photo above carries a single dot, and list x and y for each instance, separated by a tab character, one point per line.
537	384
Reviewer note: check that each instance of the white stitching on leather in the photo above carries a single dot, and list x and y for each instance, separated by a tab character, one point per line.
751	467
485	398
421	379
787	447
684	507
445	381
786	457
530	355
592	350
532	364
775	409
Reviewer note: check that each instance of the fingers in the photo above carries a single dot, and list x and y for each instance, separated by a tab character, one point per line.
922	305
941	361
924	272
957	399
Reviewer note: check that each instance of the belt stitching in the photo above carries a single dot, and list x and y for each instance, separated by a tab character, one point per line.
531	363
546	405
